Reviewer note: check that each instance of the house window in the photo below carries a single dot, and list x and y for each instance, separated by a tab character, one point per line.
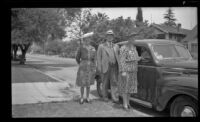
178	39
170	36
160	36
194	47
186	45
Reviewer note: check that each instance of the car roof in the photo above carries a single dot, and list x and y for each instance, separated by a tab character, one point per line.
151	41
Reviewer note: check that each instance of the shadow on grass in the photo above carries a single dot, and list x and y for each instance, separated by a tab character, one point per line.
149	111
37	66
17	64
95	93
135	106
138	107
49	66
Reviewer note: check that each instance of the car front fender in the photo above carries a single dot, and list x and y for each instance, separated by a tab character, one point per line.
171	88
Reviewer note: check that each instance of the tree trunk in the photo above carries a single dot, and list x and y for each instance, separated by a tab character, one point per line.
24	48
15	48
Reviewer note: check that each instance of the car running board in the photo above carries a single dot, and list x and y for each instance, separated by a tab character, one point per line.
141	102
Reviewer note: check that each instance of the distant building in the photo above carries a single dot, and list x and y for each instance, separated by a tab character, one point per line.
191	42
168	32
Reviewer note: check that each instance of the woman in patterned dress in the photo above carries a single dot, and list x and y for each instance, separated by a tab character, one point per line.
128	63
86	58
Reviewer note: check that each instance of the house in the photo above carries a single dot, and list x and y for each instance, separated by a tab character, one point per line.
191	42
169	32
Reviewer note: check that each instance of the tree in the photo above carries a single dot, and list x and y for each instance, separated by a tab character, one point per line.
69	48
37	25
99	24
80	22
122	28
146	32
85	22
54	47
170	18
139	17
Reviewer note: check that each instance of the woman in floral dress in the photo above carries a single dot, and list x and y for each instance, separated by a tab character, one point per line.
128	63
86	58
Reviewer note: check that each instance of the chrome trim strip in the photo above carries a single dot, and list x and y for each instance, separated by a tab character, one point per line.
166	67
146	66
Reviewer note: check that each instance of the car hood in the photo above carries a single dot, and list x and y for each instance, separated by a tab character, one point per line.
186	64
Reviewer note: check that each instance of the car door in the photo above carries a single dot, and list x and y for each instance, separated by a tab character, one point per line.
146	77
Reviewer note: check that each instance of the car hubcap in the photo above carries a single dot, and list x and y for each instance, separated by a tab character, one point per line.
188	112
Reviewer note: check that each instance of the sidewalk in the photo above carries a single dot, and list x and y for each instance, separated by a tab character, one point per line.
29	93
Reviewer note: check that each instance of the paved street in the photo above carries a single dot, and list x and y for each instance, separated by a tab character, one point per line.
45	87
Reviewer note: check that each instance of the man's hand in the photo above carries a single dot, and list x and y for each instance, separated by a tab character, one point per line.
124	74
141	58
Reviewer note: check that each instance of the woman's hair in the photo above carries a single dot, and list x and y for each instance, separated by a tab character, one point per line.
85	40
130	42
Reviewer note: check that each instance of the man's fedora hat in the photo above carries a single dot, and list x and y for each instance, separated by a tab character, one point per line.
132	34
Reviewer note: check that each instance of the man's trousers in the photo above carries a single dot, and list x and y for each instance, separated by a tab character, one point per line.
110	78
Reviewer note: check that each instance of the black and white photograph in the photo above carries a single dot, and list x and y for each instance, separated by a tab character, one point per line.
104	62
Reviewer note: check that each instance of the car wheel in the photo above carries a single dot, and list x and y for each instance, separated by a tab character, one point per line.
99	87
183	107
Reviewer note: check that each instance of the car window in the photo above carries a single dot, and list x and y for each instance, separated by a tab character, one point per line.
183	52
170	51
143	52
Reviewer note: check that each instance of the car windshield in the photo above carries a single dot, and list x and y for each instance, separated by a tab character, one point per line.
170	51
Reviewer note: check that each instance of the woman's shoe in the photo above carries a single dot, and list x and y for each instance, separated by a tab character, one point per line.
81	101
129	107
126	108
88	101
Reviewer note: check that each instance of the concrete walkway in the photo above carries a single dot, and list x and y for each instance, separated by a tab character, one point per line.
26	93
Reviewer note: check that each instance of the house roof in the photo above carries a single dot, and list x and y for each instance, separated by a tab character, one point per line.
191	35
151	41
170	29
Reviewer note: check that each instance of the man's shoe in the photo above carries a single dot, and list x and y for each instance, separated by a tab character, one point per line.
126	109
116	102
130	107
88	101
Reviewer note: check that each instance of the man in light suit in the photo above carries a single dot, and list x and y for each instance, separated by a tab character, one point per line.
107	65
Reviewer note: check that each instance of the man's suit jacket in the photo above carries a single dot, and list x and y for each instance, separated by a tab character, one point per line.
103	57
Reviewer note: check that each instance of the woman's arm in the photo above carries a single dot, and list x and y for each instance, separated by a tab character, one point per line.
95	57
99	57
78	55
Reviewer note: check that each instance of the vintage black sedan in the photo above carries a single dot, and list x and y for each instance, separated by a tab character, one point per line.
167	77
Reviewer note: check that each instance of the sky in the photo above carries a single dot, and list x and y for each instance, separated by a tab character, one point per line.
187	16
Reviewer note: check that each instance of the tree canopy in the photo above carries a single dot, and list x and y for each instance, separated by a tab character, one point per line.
43	25
170	18
39	24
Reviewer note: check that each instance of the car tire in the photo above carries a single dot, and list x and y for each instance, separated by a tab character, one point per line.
180	104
